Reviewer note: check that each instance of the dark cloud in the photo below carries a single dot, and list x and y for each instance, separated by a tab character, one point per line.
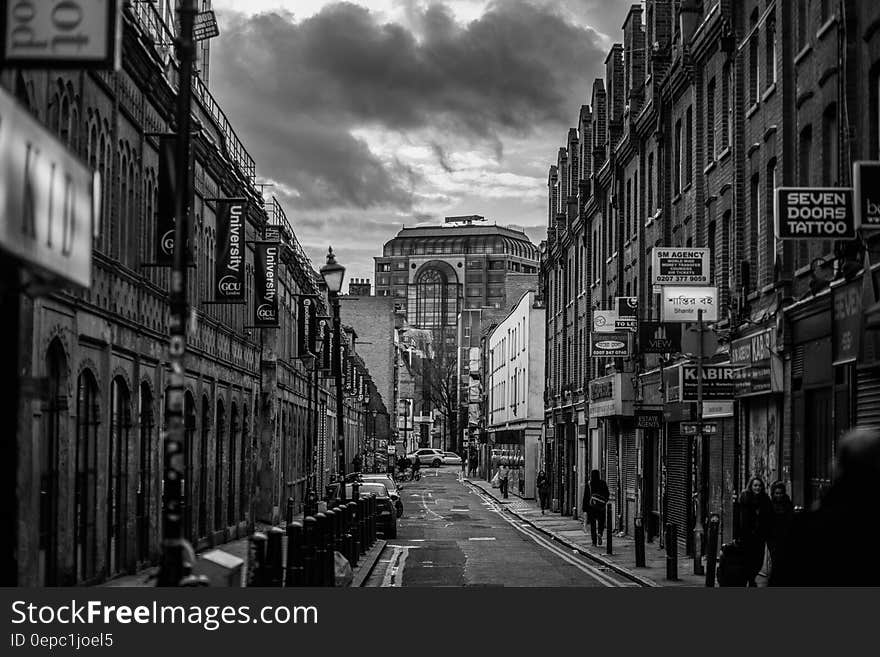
296	91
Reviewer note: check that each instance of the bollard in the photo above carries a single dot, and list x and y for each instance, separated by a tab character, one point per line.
355	492
671	552
330	550
354	548
274	557
320	549
362	524
257	560
699	551
337	530
374	513
290	505
294	575
608	530
640	543
712	551
309	528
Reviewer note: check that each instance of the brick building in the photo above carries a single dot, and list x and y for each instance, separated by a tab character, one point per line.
90	445
706	108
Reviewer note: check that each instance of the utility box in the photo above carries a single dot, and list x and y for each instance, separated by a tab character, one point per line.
221	568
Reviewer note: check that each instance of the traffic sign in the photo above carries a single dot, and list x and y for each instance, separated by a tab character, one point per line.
693	428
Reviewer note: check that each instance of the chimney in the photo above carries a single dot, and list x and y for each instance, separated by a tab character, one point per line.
360	287
634	58
689	17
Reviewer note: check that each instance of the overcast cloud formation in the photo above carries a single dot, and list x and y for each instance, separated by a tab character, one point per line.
365	121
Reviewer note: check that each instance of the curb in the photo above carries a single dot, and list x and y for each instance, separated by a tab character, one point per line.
617	568
368	563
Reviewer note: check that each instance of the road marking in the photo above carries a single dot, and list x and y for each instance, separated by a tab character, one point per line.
433	513
459	510
394	574
482	538
549	545
416	540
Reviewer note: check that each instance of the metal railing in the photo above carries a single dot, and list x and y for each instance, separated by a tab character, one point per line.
277	219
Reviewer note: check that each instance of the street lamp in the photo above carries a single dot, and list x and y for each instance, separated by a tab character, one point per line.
333	273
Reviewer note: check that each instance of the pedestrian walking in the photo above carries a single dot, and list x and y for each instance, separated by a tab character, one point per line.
463	462
755	521
834	544
474	461
503	479
543	486
780	527
596	496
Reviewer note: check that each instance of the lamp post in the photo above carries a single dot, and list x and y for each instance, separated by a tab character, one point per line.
333	273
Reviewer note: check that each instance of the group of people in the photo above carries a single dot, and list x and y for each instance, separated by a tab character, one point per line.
763	525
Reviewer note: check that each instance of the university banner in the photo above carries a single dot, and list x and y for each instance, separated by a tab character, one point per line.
306	326
230	250
325	329
266	261
165	207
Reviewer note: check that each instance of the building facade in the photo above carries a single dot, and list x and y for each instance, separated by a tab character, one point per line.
514	384
705	110
90	448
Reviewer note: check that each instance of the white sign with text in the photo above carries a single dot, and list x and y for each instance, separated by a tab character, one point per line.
682	304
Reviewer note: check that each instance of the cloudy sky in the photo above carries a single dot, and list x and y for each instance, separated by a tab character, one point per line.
368	116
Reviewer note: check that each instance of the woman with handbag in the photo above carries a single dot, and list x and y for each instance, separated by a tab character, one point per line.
596	496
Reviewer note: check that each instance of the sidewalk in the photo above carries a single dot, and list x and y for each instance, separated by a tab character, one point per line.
570	532
239	548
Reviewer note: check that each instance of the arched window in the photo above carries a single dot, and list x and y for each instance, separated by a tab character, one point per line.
144	473
218	465
203	467
54	431
243	498
117	469
431	299
189	436
233	437
86	486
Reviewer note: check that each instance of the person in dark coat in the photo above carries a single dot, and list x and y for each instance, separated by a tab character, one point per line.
543	486
755	522
783	515
596	496
834	544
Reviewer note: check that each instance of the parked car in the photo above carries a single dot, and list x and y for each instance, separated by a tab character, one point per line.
451	458
391	485
427	456
387	522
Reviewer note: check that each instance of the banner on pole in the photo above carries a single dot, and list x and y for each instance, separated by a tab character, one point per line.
325	330
230	250
306	327
266	261
165	219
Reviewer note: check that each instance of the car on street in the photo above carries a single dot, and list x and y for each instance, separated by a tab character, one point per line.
451	458
387	522
427	456
391	485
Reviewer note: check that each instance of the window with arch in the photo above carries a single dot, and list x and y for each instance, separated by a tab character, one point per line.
431	299
86	483
219	438
203	467
117	469
243	498
54	435
231	480
144	472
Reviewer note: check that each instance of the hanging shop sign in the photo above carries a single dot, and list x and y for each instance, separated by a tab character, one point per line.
266	262
677	266
658	338
681	383
230	250
610	345
866	192
847	324
604	321
809	213
54	34
757	366
682	304
50	200
717	409
306	326
611	395
627	314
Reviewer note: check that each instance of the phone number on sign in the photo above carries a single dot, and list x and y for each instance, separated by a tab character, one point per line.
53	641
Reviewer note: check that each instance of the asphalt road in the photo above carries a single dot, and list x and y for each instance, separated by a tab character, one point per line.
453	534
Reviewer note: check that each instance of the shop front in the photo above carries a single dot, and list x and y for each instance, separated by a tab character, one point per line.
611	417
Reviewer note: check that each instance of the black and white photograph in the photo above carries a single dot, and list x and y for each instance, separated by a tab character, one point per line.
438	293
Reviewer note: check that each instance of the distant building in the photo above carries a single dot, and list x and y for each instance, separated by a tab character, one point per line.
432	273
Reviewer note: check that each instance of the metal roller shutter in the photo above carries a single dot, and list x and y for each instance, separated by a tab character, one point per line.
728	485
868	398
630	459
678	482
611	463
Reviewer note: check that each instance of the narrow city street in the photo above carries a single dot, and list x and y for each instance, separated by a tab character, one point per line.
453	534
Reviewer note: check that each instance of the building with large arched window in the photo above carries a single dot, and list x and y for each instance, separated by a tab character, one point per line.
433	273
